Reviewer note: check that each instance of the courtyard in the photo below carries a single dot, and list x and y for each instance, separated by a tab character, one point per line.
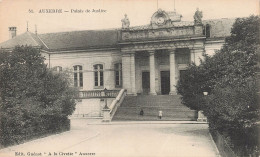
92	138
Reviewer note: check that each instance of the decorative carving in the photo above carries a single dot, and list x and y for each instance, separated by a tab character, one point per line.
125	35
162	45
197	17
198	30
154	33
160	19
125	22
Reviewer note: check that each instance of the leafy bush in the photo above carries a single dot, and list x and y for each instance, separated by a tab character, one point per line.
34	100
230	77
234	111
191	87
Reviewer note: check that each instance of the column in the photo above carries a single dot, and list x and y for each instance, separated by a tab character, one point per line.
172	73
152	72
132	63
126	72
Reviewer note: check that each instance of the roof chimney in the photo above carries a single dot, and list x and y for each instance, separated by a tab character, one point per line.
12	32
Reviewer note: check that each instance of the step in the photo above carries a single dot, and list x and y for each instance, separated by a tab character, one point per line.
171	107
152	109
153	118
155	112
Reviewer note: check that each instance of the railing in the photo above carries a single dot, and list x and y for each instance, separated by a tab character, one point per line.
117	102
97	94
109	112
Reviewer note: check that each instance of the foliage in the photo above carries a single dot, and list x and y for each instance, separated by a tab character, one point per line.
230	77
191	87
234	111
33	98
245	35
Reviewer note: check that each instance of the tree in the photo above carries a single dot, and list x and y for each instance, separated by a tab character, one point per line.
34	100
229	76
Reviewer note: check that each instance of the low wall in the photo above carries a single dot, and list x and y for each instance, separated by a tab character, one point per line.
224	149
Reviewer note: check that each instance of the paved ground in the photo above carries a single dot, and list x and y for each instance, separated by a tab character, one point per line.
121	140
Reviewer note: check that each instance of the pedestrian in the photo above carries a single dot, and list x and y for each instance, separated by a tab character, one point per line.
142	112
160	114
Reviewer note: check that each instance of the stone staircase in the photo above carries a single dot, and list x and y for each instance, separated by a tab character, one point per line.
171	106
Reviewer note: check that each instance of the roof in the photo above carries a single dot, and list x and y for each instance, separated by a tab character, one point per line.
80	39
87	39
75	40
26	38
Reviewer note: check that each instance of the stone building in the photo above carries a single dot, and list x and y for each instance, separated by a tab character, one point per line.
147	59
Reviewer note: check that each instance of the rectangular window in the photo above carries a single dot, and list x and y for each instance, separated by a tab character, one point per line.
75	80
81	79
98	75
96	78
78	76
101	78
117	78
118	75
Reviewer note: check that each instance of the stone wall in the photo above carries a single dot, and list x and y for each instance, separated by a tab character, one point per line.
213	45
219	27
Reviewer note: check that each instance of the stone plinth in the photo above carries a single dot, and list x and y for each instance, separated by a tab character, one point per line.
106	115
201	117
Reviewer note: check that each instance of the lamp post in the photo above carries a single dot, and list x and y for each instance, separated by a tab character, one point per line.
106	109
105	97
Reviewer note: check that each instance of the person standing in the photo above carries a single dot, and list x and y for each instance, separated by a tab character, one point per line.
160	114
142	112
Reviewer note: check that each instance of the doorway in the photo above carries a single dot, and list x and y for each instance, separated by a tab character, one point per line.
165	82
146	82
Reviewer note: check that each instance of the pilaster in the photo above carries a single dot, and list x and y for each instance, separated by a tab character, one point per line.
126	68
196	55
192	56
132	66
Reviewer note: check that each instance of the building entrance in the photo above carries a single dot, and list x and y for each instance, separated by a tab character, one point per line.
165	82
146	82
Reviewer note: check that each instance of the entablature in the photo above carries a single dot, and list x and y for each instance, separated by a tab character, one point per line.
164	32
191	43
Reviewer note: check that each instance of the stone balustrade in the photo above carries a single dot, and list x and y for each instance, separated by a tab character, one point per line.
97	94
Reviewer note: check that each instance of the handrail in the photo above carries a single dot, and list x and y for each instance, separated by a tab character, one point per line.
117	102
114	105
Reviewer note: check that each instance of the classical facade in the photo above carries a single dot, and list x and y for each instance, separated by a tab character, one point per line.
147	59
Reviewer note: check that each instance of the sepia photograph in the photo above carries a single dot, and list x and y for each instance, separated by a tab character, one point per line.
129	78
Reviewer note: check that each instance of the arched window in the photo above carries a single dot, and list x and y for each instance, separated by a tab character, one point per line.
57	68
118	75
98	75
78	76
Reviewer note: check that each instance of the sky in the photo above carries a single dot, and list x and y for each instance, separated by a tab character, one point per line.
18	12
